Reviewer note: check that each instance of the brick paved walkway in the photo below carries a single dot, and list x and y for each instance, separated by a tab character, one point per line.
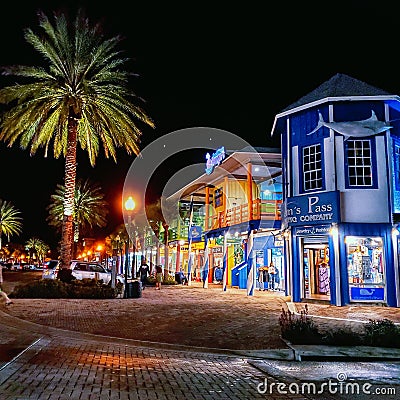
60	368
106	349
190	316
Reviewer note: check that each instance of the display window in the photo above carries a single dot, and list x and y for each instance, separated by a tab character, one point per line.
316	270
365	267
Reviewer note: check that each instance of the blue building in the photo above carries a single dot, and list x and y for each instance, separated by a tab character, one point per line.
341	193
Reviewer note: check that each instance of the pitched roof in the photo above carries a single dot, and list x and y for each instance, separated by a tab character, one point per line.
340	85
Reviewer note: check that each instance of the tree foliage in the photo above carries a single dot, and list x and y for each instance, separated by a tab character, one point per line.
80	97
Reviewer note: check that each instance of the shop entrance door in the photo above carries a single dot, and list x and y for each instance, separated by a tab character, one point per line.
316	273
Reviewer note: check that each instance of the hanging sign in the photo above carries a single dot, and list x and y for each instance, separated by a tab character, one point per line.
195	233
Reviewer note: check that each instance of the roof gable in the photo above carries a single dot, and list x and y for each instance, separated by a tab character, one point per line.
340	85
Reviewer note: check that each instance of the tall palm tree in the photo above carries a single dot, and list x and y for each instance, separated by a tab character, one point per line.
42	250
90	208
81	99
37	246
10	220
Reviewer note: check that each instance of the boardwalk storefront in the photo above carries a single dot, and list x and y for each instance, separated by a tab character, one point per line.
340	161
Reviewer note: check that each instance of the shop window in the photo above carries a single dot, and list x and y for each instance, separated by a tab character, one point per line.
312	167
359	163
365	267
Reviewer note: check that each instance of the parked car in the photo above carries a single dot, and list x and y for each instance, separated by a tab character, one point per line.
83	270
49	264
16	267
30	267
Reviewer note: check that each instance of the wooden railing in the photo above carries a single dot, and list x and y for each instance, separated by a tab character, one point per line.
262	209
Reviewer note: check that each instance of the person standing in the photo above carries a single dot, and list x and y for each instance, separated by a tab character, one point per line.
144	271
2	293
159	277
260	278
271	273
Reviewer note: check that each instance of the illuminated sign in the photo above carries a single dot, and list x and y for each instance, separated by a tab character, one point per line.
195	233
214	160
367	294
312	209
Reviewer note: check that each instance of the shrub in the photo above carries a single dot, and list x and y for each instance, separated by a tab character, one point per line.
42	289
299	329
381	333
151	280
76	289
342	337
169	281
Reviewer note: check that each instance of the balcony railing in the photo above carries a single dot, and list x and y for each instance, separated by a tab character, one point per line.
262	209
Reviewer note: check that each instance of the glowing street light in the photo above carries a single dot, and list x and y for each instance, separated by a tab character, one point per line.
130	204
129	207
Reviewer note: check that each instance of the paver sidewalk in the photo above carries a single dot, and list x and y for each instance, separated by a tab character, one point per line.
189	316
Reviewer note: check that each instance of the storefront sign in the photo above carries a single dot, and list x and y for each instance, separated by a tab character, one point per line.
313	230
216	250
367	294
312	209
214	160
195	233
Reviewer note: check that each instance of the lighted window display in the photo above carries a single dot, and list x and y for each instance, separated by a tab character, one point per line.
365	266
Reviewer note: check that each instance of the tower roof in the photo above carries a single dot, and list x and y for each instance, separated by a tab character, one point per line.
340	85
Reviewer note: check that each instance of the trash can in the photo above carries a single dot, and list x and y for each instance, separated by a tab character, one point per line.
136	290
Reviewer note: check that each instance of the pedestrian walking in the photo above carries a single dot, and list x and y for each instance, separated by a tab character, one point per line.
2	293
144	271
159	277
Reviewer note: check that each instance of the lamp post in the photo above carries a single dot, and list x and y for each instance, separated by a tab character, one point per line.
114	262
129	207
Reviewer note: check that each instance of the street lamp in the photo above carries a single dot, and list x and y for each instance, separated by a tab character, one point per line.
114	261
129	207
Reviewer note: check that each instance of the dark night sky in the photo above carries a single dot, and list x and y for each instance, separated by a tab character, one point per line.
214	64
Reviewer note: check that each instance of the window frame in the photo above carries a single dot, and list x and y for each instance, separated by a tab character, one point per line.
372	166
320	170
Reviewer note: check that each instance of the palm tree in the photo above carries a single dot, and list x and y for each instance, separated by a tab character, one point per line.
42	251
31	246
10	221
38	247
90	208
80	99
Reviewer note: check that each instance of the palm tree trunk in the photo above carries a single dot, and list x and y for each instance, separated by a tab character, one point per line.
69	181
